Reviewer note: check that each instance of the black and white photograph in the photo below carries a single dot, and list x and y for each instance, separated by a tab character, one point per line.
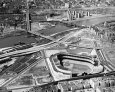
57	45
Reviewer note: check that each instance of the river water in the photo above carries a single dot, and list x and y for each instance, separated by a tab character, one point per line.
10	41
53	30
94	21
7	42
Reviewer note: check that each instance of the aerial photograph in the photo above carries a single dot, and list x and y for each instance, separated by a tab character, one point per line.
57	45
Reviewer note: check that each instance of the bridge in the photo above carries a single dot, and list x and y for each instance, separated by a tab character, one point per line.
28	51
37	48
33	49
88	76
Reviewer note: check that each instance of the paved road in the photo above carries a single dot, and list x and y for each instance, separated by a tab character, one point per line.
35	48
85	8
108	61
103	59
21	73
93	20
28	51
77	78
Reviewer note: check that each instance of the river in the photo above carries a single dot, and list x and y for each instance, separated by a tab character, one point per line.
53	30
94	21
10	41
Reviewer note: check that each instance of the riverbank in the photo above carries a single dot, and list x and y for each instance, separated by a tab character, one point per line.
92	20
12	38
88	21
92	16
